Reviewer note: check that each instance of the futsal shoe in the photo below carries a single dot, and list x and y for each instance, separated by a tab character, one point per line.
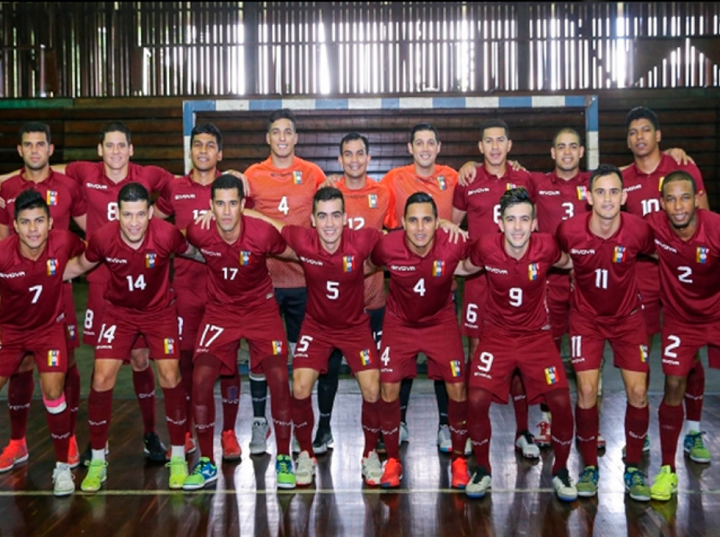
372	470
15	452
444	439
459	473
305	469
694	447
285	474
73	453
204	473
543	439
587	485
260	435
154	449
666	484
230	447
635	485
63	480
96	476
323	441
565	490
392	474
178	472
479	484
525	443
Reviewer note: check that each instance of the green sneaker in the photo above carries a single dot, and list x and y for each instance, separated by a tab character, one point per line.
285	474
178	472
96	476
587	485
694	446
635	485
666	483
204	473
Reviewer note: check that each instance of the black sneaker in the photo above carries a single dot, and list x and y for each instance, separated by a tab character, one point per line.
323	441
155	450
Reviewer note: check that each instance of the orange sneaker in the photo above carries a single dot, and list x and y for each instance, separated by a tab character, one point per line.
14	453
392	474
459	473
73	453
190	446
230	446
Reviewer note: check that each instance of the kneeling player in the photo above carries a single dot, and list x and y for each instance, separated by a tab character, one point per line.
517	336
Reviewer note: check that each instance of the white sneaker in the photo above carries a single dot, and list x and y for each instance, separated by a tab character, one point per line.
63	480
305	469
260	434
404	432
526	444
479	484
372	470
444	440
564	487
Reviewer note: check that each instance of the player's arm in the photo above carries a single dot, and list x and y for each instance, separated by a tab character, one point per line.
4	231
76	266
256	214
565	262
466	268
192	252
81	221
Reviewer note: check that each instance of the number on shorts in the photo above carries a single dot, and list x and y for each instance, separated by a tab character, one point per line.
486	361
181	322
516	297
670	349
576	346
303	344
37	289
471	313
211	332
89	316
420	287
685	275
385	358
108	334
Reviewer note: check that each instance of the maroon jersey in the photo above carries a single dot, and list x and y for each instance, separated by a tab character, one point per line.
689	270
516	299
481	198
237	273
64	197
334	281
31	292
604	269
186	200
645	190
139	279
420	287
557	199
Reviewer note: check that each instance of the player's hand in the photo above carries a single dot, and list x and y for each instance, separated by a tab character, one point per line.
679	156
516	166
243	179
466	174
454	231
204	219
331	180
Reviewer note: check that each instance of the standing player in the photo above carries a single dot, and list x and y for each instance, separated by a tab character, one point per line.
187	198
65	201
688	247
479	201
643	181
517	336
437	180
606	305
137	250
282	188
421	318
32	315
368	204
239	305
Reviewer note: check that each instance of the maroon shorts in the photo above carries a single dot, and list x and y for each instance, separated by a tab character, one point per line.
441	342
48	345
222	329
121	328
500	353
316	343
96	305
558	303
73	337
682	340
190	306
475	297
627	337
648	281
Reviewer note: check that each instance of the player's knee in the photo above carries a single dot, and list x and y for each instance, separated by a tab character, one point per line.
390	392
169	377
102	381
674	389
371	394
456	391
587	394
55	402
139	360
637	395
301	390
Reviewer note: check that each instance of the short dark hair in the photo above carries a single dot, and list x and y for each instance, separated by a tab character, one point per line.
36	126
641	112
494	123
328	193
30	199
423	127
603	170
515	196
421	197
566	130
351	138
677	176
207	128
283	113
227	181
133	192
115	126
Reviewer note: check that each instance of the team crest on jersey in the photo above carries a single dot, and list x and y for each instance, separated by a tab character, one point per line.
71	332
455	368
372	201
619	256
582	193
702	254
438	268
365	357
53	358
551	376
150	260
533	271
51	198
244	257
277	347
442	183
297	177
660	183
510	186
52	266
169	345
348	263
643	353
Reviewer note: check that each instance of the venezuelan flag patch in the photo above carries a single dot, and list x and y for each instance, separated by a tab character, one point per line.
365	357
150	260
551	375
372	201
348	263
702	254
52	266
244	258
51	198
169	345
582	193
619	255
53	358
297	177
277	347
438	268
533	271
455	368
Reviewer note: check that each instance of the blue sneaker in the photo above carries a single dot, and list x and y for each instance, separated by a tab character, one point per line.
695	448
204	473
635	485
587	485
285	474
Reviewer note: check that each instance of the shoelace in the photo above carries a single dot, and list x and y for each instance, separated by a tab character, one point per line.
283	466
588	476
